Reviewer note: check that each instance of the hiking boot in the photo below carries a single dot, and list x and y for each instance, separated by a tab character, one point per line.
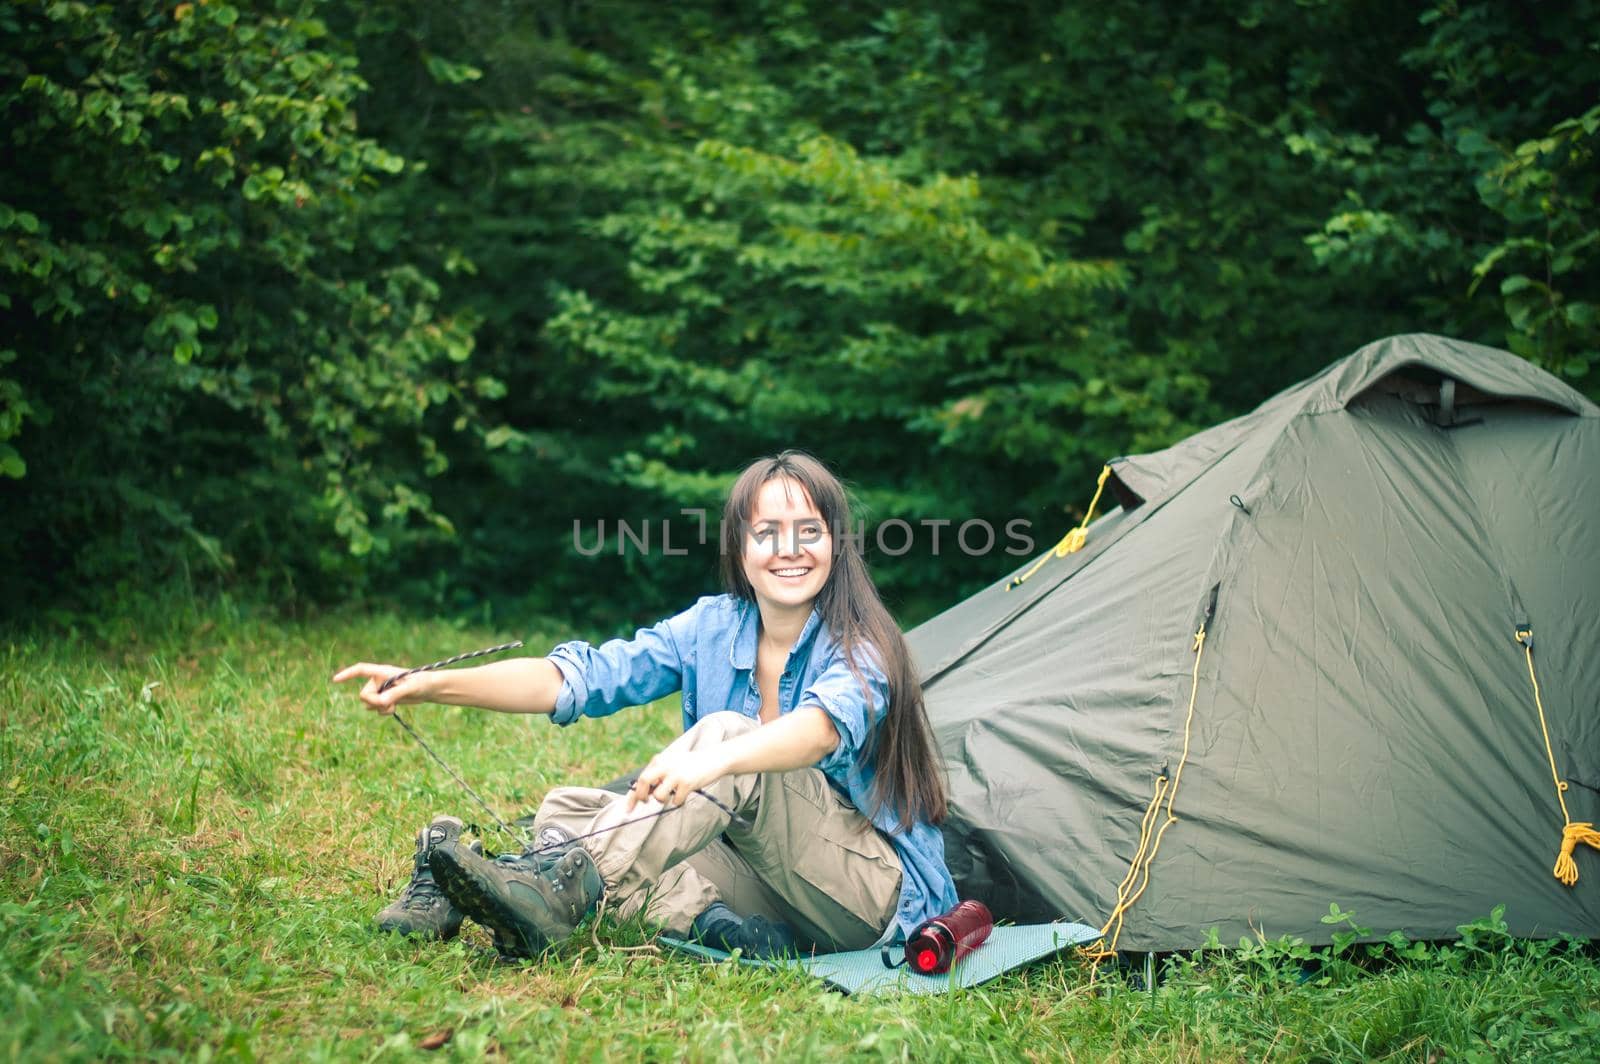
421	908
527	900
753	936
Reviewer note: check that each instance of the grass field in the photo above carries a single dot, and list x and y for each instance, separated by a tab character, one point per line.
197	829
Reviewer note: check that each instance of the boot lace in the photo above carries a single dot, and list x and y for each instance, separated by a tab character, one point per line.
422	892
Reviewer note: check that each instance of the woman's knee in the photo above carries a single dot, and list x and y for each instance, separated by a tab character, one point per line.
572	801
718	727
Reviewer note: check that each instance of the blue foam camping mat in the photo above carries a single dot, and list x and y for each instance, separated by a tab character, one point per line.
862	971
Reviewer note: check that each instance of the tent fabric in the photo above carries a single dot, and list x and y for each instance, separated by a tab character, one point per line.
1364	728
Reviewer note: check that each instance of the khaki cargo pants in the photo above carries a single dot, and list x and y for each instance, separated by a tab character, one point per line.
798	852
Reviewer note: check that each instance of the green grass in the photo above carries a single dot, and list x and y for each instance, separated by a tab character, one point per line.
197	829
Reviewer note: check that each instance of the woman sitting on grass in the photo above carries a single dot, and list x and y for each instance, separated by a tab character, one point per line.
801	799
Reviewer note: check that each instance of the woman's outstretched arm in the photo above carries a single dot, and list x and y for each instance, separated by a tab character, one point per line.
520	685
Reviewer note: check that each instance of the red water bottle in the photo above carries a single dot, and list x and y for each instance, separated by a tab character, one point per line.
939	943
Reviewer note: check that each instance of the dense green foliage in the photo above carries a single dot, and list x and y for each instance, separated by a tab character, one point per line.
214	361
326	297
195	834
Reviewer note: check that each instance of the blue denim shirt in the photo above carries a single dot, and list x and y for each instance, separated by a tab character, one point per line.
709	652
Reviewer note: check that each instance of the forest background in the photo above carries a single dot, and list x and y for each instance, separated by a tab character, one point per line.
323	324
316	301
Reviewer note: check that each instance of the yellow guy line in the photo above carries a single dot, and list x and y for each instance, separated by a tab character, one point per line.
1073	540
1139	870
1566	868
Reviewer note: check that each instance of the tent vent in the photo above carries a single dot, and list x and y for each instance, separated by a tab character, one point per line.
1446	418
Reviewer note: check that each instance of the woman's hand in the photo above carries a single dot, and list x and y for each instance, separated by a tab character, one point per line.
673	775
414	688
520	685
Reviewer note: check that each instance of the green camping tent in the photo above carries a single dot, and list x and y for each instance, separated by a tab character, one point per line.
1383	560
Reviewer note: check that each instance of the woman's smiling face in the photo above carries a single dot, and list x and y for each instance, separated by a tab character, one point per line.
788	549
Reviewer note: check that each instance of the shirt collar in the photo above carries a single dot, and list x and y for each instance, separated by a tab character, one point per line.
742	652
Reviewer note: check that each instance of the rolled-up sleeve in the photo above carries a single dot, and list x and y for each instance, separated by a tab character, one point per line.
599	680
856	709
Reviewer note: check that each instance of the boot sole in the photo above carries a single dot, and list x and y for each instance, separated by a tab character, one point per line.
483	897
404	930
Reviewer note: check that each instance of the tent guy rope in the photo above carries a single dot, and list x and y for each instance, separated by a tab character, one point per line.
1075	538
1149	835
1566	868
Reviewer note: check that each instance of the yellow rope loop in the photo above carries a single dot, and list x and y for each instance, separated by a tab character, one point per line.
1058	551
1566	868
1075	538
1099	950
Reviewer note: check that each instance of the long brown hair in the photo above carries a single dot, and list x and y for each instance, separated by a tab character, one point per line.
908	778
